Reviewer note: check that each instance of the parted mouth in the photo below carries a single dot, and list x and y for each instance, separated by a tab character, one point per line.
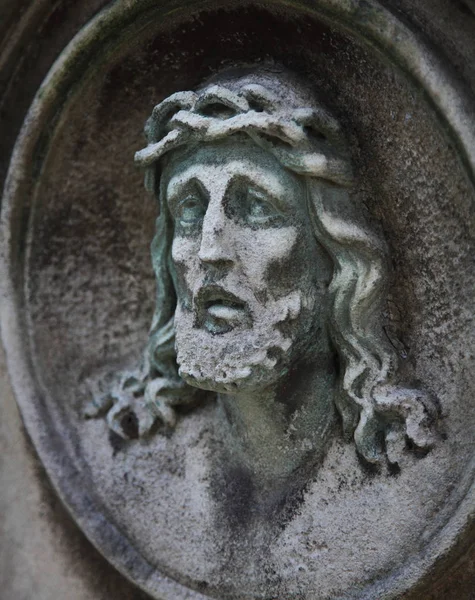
218	310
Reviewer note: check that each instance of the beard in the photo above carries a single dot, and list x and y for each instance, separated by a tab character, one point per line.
247	356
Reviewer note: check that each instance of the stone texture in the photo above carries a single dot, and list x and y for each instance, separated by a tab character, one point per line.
43	553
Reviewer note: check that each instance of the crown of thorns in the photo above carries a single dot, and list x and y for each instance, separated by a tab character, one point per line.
305	140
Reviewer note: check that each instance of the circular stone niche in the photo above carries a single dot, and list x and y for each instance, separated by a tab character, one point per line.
80	294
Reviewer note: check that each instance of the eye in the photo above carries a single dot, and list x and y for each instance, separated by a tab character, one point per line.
190	210
259	207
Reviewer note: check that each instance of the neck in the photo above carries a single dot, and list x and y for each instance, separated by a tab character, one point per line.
275	432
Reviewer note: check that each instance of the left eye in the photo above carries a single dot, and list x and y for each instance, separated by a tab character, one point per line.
259	208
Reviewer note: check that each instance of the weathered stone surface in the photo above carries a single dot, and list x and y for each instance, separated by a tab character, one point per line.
413	186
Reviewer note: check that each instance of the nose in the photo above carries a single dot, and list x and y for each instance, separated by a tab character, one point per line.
216	241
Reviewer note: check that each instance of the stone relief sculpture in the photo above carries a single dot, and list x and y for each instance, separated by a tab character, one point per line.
270	285
297	423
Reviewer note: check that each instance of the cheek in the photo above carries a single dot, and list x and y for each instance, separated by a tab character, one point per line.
185	257
262	251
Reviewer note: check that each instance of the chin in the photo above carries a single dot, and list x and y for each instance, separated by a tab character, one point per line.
240	377
241	360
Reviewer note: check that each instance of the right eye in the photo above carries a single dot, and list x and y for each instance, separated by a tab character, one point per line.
190	210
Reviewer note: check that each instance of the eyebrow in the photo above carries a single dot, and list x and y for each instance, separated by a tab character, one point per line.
191	176
256	178
277	198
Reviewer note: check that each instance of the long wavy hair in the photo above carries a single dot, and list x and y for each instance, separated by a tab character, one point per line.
280	114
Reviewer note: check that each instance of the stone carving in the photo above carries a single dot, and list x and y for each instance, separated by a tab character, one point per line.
270	284
226	492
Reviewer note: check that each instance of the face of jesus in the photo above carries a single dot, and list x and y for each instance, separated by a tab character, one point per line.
251	278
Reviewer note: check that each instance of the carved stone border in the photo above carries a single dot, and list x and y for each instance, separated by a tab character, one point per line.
119	22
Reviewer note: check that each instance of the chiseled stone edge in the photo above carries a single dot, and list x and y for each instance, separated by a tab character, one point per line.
368	20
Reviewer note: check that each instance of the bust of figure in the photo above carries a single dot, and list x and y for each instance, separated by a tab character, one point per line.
270	285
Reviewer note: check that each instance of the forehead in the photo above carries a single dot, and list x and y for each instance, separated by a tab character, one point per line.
216	163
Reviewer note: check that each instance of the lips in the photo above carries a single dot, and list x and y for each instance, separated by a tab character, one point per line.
218	310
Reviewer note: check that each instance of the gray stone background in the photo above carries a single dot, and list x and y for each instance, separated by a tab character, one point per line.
43	554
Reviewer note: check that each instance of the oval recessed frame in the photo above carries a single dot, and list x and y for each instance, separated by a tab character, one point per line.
119	24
